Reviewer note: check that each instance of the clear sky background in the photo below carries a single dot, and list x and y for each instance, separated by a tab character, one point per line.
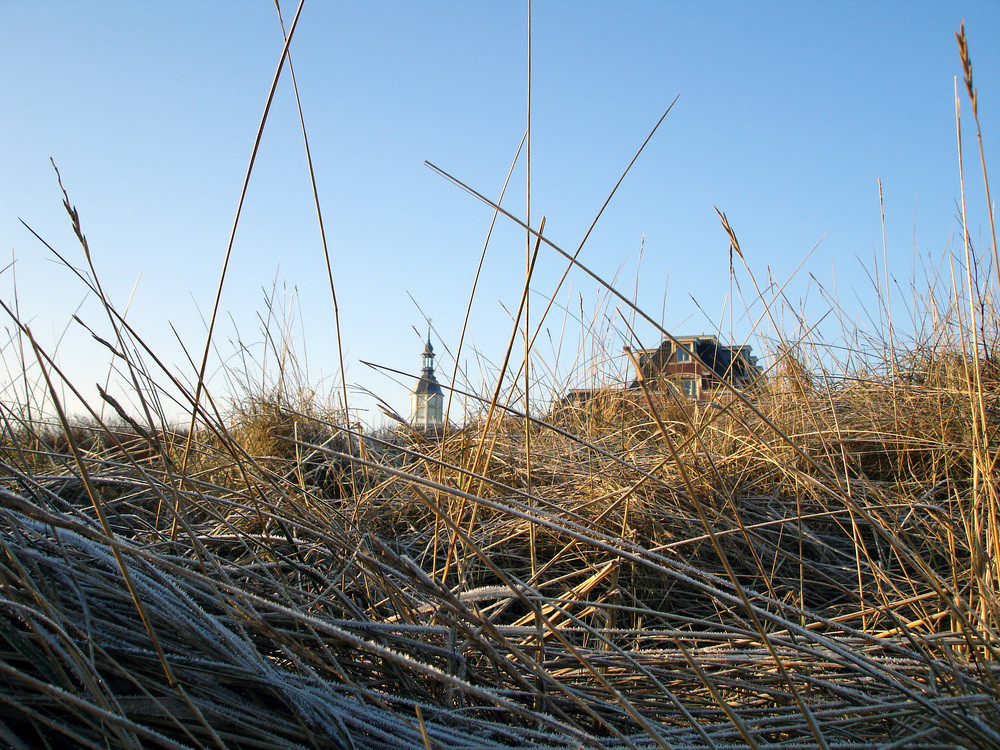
788	115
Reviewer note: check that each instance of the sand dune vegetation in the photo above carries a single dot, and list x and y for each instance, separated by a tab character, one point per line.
809	562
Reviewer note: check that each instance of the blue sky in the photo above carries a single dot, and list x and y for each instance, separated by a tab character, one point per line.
788	114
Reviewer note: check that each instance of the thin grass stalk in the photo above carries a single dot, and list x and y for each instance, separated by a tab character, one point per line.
200	384
494	401
737	587
97	504
963	48
984	531
78	230
516	587
529	263
319	217
989	354
479	269
590	229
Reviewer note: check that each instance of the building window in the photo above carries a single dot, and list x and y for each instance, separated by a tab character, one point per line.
690	386
682	355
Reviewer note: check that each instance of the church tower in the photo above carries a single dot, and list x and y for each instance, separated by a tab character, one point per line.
427	399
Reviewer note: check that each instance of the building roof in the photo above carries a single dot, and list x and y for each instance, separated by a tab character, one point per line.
428	385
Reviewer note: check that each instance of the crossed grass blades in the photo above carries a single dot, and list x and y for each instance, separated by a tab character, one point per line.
811	562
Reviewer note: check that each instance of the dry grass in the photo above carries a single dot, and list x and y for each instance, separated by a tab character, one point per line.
810	563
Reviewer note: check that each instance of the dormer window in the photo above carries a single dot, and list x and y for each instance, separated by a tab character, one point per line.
682	355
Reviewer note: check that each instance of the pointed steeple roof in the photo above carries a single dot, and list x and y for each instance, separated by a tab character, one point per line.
428	385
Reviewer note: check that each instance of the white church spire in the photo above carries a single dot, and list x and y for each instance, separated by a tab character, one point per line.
427	398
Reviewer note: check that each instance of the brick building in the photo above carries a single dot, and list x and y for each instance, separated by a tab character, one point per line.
696	366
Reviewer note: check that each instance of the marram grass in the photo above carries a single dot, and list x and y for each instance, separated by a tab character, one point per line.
811	562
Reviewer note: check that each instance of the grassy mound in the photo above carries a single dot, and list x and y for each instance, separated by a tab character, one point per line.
809	562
